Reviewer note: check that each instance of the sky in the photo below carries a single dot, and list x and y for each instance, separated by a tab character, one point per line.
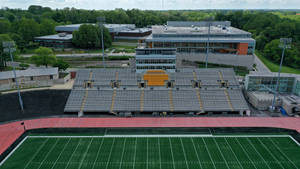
155	4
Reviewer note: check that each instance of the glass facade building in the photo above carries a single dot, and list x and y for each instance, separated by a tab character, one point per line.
155	59
288	83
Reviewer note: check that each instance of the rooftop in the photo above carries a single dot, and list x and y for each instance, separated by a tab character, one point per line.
203	30
56	37
29	72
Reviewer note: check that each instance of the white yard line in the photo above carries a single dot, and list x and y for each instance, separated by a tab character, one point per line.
221	152
48	153
245	152
134	153
172	153
196	153
39	149
3	161
233	152
122	153
282	152
187	165
84	154
98	153
73	153
249	141
209	153
147	154
294	140
270	153
60	153
111	148
159	153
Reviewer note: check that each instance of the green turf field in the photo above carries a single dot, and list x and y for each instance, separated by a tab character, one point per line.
159	152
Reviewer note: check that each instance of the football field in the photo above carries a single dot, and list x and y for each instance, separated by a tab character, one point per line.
155	152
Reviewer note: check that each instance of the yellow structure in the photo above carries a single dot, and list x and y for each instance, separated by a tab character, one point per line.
156	77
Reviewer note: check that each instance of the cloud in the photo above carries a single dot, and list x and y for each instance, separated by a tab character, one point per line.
156	4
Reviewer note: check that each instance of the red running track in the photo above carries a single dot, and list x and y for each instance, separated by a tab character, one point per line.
11	131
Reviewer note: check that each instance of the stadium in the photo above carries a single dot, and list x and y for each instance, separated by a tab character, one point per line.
106	135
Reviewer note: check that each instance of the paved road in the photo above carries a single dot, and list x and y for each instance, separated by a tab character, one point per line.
88	55
260	66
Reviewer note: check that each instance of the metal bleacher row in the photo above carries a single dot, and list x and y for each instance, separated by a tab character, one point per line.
182	97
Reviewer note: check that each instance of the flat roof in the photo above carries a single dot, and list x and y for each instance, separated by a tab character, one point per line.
129	28
197	39
272	74
55	37
29	72
203	30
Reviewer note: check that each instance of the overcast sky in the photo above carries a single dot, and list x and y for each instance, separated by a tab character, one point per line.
156	4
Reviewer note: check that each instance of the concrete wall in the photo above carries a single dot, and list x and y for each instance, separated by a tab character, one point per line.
27	82
226	59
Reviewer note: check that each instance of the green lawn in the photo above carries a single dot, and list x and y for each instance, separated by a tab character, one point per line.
275	67
159	152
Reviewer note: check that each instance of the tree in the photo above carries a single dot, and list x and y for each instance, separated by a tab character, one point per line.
47	27
4	26
27	28
61	64
89	36
43	56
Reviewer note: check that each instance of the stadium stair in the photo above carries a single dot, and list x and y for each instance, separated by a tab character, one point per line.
226	93
142	100
85	96
171	100
198	93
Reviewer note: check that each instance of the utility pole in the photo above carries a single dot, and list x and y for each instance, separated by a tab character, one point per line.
207	44
285	43
9	47
101	21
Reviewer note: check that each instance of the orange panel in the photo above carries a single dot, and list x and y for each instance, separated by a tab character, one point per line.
242	48
156	77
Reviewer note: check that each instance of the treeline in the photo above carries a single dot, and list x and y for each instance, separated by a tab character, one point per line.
23	25
267	29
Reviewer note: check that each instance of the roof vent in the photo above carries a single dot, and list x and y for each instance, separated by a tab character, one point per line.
62	34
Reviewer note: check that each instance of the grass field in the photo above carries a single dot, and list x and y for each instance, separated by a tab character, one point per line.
275	67
158	152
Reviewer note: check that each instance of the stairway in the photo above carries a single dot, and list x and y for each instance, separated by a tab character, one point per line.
171	100
142	100
85	95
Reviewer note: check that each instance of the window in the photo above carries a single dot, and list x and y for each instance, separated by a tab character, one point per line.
13	79
51	76
31	78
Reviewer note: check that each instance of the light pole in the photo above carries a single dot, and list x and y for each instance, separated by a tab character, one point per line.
285	43
9	47
101	21
207	44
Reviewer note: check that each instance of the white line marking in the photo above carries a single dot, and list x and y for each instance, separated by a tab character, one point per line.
270	153
134	153
147	153
159	153
221	152
245	152
282	152
81	161
111	148
172	153
73	153
61	153
2	162
294	140
208	153
249	141
196	153
52	147
39	149
184	154
233	153
98	153
122	153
